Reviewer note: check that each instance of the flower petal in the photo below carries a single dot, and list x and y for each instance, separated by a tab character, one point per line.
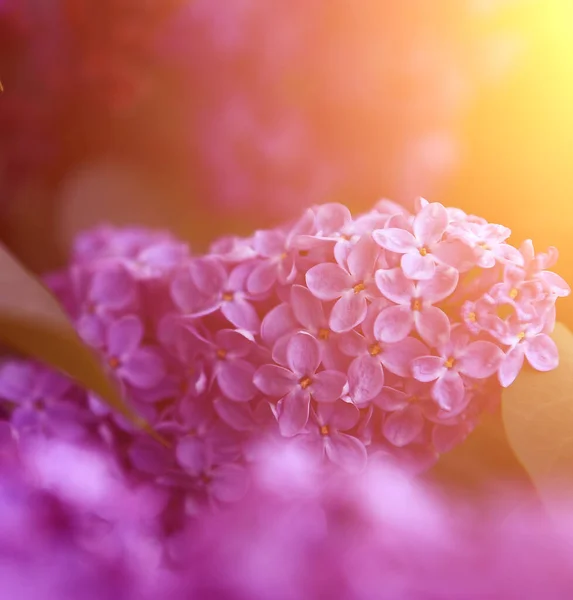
507	253
241	314
480	359
346	451
307	308
274	380
262	277
237	415
398	358
433	326
277	322
328	281
332	217
124	335
143	369
294	410
403	426
542	353
511	365
344	415
113	286
390	399
395	286
208	275
395	240
327	386
428	368
430	223
394	323
416	266
362	258
235	378
455	253
235	342
303	354
449	391
442	284
365	379
348	312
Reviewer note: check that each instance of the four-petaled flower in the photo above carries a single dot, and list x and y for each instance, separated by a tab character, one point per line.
205	287
140	366
414	305
422	248
526	340
297	383
457	358
350	284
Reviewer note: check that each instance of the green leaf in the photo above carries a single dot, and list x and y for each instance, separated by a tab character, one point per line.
538	415
32	322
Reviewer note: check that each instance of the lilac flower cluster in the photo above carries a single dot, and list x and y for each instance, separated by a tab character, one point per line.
386	334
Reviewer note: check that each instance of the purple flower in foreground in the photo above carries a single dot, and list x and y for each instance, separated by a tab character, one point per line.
140	366
350	284
298	383
458	357
414	305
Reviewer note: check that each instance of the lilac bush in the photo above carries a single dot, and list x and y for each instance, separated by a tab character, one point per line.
328	330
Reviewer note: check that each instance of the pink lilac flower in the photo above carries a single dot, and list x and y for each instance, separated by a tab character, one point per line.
297	382
526	340
457	358
139	365
331	421
350	284
227	353
423	247
207	288
489	243
414	305
372	358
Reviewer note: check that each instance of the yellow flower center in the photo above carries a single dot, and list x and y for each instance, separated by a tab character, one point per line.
472	317
305	382
423	251
416	304
375	349
113	362
450	362
324	430
303	253
227	296
359	287
521	335
513	293
323	334
221	353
